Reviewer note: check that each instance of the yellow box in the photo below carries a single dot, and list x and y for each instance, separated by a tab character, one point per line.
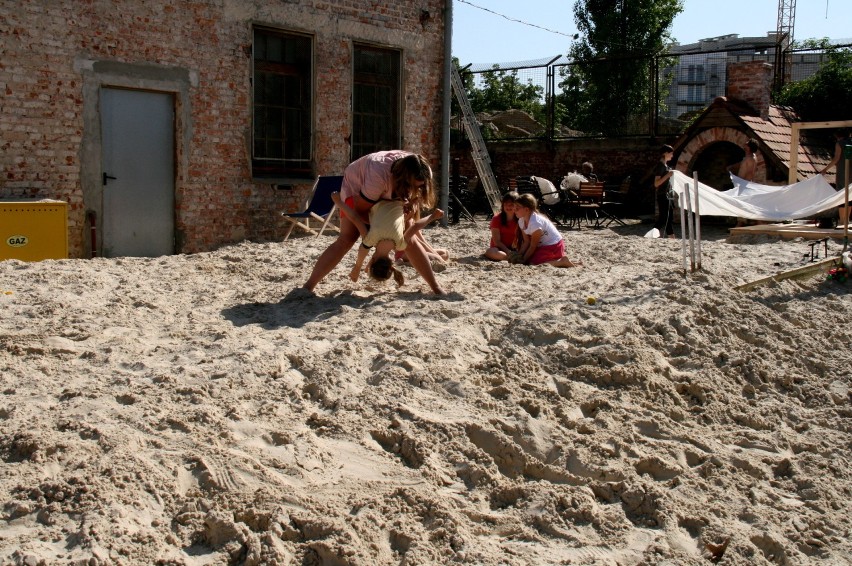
33	230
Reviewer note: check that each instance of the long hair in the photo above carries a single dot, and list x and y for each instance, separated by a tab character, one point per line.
511	196
528	201
408	174
383	268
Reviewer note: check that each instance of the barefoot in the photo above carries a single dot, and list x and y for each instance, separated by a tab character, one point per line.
437	214
565	262
355	273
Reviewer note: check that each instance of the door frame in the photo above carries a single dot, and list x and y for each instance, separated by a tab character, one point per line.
141	204
109	74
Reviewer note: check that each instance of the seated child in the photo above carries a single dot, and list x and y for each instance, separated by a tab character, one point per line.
388	231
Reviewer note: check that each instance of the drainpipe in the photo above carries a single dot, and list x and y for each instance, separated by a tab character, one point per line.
448	97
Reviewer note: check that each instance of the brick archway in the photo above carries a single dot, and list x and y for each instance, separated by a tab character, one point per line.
699	142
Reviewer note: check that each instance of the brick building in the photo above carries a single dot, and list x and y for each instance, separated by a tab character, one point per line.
180	126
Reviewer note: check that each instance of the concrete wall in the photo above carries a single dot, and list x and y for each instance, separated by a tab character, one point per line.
57	54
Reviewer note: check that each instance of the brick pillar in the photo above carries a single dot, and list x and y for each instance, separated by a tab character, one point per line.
751	82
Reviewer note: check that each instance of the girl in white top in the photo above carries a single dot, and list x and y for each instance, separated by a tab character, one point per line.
542	242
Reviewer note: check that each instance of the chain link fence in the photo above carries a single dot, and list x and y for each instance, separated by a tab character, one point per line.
555	98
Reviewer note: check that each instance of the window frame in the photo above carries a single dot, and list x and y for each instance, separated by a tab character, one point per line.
359	79
285	170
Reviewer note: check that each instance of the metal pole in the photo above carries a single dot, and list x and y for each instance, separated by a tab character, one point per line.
445	111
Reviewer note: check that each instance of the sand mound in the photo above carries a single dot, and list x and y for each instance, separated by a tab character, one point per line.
195	410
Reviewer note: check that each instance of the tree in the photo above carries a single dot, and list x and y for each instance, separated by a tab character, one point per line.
609	85
827	94
503	90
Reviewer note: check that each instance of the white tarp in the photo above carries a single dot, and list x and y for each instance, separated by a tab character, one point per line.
762	202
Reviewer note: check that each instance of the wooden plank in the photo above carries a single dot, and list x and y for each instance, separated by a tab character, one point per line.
788	231
793	169
805	271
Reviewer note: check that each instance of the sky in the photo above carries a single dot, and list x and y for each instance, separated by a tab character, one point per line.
486	36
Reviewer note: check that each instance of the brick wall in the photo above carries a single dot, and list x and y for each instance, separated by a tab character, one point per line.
614	160
751	82
53	49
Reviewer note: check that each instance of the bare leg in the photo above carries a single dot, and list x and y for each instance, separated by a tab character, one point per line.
433	253
420	262
417	225
350	214
496	254
564	262
359	263
329	259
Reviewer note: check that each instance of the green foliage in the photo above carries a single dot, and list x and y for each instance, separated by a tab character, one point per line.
610	84
827	94
503	90
500	91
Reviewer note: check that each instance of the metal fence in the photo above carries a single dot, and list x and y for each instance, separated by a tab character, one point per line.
555	98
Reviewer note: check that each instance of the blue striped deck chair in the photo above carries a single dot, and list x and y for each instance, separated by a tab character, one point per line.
320	207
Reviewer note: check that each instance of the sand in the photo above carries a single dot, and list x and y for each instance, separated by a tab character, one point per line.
194	409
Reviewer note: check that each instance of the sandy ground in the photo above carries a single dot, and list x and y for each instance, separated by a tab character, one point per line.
194	410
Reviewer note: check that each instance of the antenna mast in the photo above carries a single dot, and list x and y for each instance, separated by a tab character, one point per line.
784	39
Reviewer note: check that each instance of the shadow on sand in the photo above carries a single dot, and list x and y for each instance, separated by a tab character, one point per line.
300	307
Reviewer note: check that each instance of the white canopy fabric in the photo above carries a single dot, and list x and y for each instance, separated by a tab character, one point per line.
761	202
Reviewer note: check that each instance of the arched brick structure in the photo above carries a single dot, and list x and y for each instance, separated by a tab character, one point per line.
702	140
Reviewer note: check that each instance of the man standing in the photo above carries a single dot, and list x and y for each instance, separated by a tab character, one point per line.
746	168
842	140
748	165
663	187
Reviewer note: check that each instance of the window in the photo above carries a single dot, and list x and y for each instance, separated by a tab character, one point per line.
282	104
695	74
695	94
375	100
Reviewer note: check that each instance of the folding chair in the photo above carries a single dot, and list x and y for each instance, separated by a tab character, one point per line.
548	197
614	202
320	206
589	203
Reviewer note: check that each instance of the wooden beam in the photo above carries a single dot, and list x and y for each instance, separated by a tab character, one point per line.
788	231
804	271
793	169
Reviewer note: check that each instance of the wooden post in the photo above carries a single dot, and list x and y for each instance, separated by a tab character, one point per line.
682	231
847	153
690	227
697	220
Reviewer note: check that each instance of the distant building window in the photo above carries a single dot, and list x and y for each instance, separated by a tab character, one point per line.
695	94
695	73
375	100
282	105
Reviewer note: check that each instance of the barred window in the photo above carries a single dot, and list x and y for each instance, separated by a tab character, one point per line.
282	105
375	100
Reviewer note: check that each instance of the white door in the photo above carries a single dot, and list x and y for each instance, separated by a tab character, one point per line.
137	133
